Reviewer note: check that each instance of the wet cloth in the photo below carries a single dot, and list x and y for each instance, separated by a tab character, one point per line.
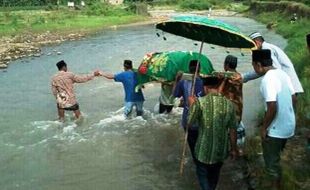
166	95
280	61
63	82
216	115
129	106
233	92
129	81
183	89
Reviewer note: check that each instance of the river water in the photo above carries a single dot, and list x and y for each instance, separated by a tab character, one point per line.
103	151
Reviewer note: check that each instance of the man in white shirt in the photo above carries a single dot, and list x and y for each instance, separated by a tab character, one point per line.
279	120
279	60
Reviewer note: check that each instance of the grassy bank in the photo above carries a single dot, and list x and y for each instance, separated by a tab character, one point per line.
62	20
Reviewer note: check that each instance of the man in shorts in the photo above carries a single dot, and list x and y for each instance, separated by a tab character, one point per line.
63	89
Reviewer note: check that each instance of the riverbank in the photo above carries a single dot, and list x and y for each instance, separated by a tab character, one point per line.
27	43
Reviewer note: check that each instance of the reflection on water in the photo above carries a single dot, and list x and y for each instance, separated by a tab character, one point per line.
103	150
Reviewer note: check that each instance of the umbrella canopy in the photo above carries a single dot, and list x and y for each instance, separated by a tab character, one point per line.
206	30
163	66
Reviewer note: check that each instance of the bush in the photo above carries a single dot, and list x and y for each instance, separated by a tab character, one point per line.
98	8
195	5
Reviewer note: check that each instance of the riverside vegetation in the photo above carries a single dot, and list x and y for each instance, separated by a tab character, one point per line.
24	29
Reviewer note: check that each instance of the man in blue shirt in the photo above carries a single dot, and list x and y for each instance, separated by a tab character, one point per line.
129	80
183	89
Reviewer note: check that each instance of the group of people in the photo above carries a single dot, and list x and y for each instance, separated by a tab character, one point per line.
212	107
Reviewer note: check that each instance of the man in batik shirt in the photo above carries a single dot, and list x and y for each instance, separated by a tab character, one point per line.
63	89
233	91
217	118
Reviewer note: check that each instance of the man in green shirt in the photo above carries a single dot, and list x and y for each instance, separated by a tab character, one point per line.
217	118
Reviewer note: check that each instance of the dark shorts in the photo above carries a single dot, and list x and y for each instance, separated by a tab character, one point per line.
71	108
163	108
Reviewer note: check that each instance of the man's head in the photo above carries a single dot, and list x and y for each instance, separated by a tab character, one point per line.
258	39
211	84
127	65
230	63
261	60
61	65
192	66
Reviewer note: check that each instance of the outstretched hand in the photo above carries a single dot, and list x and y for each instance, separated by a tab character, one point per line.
97	73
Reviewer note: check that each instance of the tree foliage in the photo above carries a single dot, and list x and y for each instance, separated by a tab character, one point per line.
21	3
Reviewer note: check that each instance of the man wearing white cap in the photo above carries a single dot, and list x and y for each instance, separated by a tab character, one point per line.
279	60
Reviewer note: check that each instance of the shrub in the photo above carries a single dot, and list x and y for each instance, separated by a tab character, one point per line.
196	5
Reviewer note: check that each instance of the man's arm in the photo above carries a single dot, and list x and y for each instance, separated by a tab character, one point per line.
108	75
294	101
249	76
85	78
194	113
269	117
233	142
233	133
54	89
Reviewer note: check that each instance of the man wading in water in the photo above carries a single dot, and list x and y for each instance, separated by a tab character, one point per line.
129	80
63	90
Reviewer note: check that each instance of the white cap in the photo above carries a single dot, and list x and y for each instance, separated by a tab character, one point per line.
255	35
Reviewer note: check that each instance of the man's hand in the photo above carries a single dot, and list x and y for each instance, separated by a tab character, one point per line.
263	133
191	100
97	73
236	77
178	76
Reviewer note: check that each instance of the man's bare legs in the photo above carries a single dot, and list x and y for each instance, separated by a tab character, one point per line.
61	114
77	114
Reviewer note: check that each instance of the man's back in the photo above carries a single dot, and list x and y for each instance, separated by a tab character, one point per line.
129	81
216	116
183	89
276	87
281	61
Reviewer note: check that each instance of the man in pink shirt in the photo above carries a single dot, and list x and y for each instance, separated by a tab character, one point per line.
63	89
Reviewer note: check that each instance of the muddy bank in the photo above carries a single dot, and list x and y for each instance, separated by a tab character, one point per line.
28	45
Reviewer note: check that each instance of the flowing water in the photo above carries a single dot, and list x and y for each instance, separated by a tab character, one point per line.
103	151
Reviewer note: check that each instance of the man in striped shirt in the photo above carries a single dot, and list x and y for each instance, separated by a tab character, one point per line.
217	118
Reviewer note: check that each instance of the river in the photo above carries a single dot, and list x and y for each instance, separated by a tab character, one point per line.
103	151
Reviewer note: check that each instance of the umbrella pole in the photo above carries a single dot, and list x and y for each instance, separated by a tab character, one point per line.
196	71
182	163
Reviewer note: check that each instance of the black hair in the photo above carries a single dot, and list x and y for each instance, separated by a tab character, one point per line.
231	61
128	64
308	40
192	66
211	81
266	62
61	64
263	56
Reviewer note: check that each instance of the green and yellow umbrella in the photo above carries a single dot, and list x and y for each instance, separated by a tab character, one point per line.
206	30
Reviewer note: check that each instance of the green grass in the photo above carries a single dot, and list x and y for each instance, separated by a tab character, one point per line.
17	22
